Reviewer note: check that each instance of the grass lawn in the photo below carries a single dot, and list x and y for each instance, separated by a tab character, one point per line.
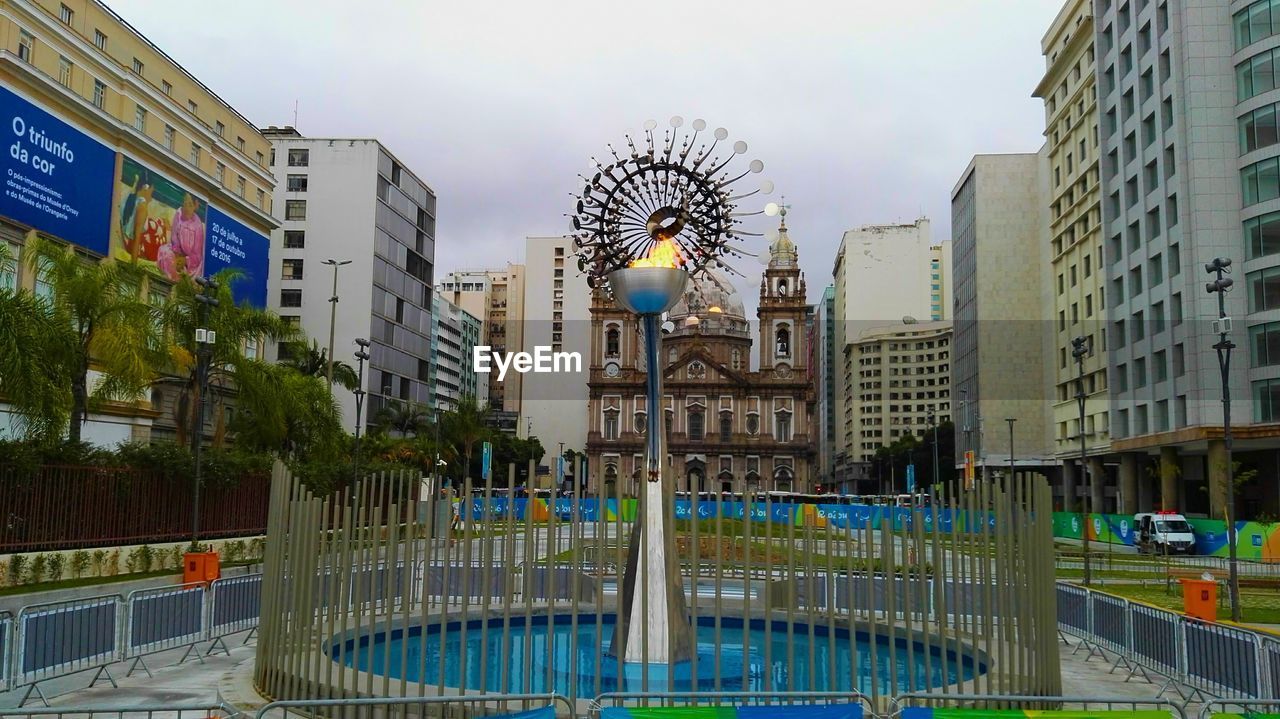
1259	607
97	581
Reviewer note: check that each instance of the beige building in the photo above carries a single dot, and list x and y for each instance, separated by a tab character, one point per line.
1069	91
904	381
1001	295
497	297
120	138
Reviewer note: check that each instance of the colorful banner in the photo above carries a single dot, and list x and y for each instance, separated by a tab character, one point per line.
927	713
801	711
157	222
56	178
233	244
1256	541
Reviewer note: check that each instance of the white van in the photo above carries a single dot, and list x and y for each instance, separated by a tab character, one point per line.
1164	533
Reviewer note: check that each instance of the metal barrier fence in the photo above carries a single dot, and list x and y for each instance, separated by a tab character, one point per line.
916	601
1208	658
1004	701
214	710
484	703
51	640
1248	707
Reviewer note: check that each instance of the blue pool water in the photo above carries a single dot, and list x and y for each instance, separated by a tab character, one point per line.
827	663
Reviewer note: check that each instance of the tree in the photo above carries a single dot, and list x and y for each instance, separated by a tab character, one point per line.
313	361
95	317
284	411
32	380
406	418
465	426
235	325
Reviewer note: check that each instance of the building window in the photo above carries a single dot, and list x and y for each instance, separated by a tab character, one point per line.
220	128
99	40
299	157
291	269
240	185
726	427
638	421
26	45
44	288
251	348
782	426
782	341
1260	181
170	136
753	424
140	118
64	71
192	107
240	143
137	67
610	425
1258	129
1256	22
99	94
262	199
696	428
290	298
220	172
295	239
1262	235
66	14
295	209
1264	289
1266	400
1255	76
296	183
9	270
195	154
262	160
166	87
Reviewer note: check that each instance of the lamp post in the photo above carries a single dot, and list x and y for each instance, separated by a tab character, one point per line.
362	356
1082	347
933	420
333	317
1012	469
1220	267
206	300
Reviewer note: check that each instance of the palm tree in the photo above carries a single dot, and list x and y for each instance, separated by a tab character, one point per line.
406	418
98	319
32	381
284	411
466	426
235	325
314	362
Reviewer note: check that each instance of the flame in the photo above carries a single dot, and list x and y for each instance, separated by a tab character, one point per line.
664	253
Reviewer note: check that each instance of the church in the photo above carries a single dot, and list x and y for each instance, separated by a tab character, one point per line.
730	428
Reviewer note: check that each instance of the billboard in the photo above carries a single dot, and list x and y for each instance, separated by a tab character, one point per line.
68	185
56	178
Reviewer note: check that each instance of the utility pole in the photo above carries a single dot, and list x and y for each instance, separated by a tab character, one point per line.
1011	420
362	356
1220	266
206	299
333	317
933	420
1081	348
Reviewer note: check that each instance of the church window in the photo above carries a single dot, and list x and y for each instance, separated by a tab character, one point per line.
612	342
782	426
726	427
611	425
696	426
782	288
782	341
753	424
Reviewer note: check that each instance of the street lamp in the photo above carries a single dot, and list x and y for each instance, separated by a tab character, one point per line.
333	317
1219	267
1082	347
1010	420
933	420
362	356
206	300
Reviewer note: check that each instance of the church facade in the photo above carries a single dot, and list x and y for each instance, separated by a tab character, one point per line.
729	428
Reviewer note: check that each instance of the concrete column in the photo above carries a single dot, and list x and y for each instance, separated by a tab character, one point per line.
1169	471
1129	483
1069	480
1218	472
1098	484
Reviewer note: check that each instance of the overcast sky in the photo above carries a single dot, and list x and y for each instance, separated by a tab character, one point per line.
863	112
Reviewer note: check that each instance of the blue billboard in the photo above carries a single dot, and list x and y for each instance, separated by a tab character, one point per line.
232	244
56	178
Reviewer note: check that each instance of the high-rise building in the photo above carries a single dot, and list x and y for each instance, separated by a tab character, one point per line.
351	200
1190	148
1069	91
557	318
1000	350
497	297
823	369
882	274
455	334
904	382
116	148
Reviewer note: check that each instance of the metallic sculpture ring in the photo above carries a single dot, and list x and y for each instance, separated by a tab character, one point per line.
664	203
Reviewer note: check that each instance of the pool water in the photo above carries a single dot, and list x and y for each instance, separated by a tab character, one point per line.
835	662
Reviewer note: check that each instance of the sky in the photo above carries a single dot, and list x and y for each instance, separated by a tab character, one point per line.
862	112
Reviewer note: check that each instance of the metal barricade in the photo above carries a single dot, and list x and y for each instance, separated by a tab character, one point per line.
166	618
6	644
1108	621
903	701
235	603
1247	707
645	699
1156	640
217	710
1222	660
485	702
1271	666
62	638
1073	610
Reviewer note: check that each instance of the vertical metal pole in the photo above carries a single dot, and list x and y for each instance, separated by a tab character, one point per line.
1084	473
1224	347
333	321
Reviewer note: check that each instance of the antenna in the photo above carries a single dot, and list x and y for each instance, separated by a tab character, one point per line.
295	114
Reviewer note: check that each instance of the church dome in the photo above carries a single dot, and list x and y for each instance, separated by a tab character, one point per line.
710	302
